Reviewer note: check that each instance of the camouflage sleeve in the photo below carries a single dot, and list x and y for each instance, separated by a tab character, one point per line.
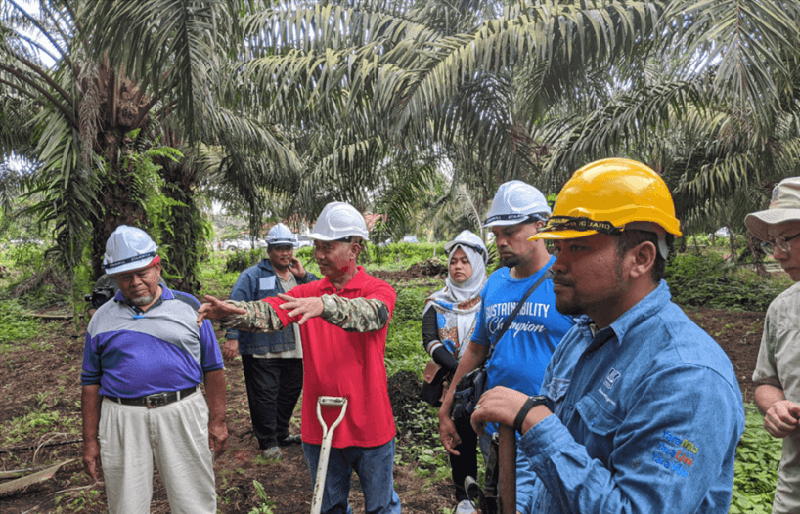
260	317
355	314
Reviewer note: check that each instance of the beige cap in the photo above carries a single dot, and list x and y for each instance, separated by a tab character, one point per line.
784	206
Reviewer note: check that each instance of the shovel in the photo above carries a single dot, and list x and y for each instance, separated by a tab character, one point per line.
325	451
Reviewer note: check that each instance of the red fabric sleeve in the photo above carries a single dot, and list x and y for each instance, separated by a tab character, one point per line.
296	292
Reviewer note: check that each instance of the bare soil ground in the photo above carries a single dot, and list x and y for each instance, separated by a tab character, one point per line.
41	382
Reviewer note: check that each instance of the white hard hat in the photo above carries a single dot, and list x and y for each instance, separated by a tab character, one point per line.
517	202
338	220
280	235
128	249
467	238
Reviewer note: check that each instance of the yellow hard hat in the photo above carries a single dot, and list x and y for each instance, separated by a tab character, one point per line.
606	195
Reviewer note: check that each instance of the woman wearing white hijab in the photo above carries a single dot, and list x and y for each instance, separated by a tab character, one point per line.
448	321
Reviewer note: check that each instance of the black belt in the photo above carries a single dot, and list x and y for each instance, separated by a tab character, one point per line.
154	400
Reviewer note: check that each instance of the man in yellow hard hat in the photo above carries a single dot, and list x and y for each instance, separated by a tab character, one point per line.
641	410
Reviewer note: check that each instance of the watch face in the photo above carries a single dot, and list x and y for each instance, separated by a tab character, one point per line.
539	400
530	403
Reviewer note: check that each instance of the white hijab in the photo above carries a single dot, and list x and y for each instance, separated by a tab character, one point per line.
457	303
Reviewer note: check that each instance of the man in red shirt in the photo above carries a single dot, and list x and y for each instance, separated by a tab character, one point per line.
343	320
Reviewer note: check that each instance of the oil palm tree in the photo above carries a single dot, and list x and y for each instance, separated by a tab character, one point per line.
705	92
430	79
146	68
715	110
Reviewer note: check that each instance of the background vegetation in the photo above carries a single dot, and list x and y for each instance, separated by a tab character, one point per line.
145	112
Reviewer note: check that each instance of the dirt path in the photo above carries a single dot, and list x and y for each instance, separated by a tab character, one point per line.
41	405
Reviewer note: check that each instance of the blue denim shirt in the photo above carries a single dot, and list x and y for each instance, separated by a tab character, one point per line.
255	283
647	417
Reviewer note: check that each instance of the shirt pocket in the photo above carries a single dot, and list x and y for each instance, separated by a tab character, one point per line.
267	286
267	283
598	426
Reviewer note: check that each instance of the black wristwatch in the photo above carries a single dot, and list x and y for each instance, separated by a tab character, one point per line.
531	402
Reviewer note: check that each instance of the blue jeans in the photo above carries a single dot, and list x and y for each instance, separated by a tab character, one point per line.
374	469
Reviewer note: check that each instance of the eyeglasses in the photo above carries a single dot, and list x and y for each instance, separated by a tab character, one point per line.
780	242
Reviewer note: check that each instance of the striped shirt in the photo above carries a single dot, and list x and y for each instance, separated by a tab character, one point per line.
131	353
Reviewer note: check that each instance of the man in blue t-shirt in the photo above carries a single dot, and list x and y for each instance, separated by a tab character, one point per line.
519	359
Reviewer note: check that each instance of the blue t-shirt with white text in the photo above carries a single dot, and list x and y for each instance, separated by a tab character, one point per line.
521	357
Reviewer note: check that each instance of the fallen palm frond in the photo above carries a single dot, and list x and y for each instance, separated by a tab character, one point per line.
23	483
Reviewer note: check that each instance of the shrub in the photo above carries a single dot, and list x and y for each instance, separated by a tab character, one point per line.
240	260
213	279
404	338
25	254
706	281
402	254
306	256
716	241
16	326
305	253
410	301
404	350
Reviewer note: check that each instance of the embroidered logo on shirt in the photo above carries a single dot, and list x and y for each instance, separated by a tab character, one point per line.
676	468
496	324
675	460
609	400
612	376
683	443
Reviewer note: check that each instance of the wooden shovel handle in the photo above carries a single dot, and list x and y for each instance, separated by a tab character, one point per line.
507	478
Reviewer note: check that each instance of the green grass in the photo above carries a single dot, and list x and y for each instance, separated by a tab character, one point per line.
15	327
213	279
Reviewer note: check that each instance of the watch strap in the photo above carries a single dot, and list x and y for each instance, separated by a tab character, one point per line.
531	402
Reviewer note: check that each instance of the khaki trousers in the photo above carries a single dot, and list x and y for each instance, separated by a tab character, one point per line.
787	493
175	436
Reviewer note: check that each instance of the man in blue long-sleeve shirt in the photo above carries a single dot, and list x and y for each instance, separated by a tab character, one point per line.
641	411
272	363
